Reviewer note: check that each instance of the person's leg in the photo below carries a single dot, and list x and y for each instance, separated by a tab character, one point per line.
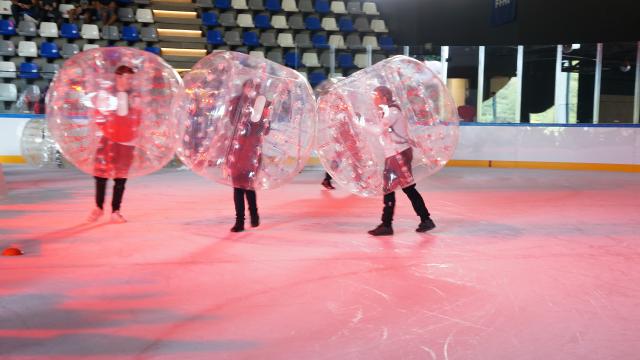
327	181
420	208
101	189
112	14
253	207
118	193
238	201
387	216
16	11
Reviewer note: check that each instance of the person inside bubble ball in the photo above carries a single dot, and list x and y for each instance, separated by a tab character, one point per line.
249	113
398	150
115	151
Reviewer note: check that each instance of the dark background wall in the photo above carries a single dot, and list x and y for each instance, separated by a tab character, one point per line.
468	22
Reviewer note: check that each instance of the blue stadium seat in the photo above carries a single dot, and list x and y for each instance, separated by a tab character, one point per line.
69	31
262	21
29	71
292	59
153	49
345	24
317	77
320	41
386	42
7	27
250	38
130	33
322	6
313	23
214	37
49	50
273	5
209	19
223	4
345	61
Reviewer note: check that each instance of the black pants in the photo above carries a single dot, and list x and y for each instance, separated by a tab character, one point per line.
17	13
118	192
327	177
238	199
416	201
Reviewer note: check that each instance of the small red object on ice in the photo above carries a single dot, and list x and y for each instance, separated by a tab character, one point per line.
12	251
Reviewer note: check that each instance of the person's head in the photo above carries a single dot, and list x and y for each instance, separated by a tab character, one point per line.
382	96
249	87
123	77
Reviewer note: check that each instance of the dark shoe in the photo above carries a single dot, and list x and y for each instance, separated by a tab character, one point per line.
255	220
238	227
381	230
327	185
426	225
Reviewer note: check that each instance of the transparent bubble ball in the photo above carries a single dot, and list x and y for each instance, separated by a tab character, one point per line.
386	127
246	122
109	110
38	147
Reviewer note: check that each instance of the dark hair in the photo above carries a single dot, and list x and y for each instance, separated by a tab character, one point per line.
387	94
124	69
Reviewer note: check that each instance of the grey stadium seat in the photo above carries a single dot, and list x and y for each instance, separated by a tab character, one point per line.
303	40
275	55
126	15
7	48
296	22
268	38
110	33
68	50
149	34
228	19
233	37
362	24
27	28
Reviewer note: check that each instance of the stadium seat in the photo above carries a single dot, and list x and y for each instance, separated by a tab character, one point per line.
353	7
275	55
8	92
345	61
353	41
256	5
28	28
7	48
268	38
386	43
372	41
90	32
204	4
250	38
153	49
370	8
273	5
5	7
337	7
223	4
312	23
257	53
86	47
245	21
317	77
296	22
214	37
64	10
50	70
110	33
233	37
279	22
142	2
320	41
49	50
124	3
130	33
68	50
292	59
144	16
310	59
27	49
289	6
305	6
149	34
329	24
209	19
325	59
361	60
303	40
362	24
378	57
29	71
239	4
337	41
227	19
286	40
378	25
7	70
322	6
7	28
262	21
345	24
126	15
69	31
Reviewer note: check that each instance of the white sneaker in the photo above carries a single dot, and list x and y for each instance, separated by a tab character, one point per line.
95	215
117	218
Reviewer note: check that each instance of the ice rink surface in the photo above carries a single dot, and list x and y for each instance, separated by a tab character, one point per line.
524	264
